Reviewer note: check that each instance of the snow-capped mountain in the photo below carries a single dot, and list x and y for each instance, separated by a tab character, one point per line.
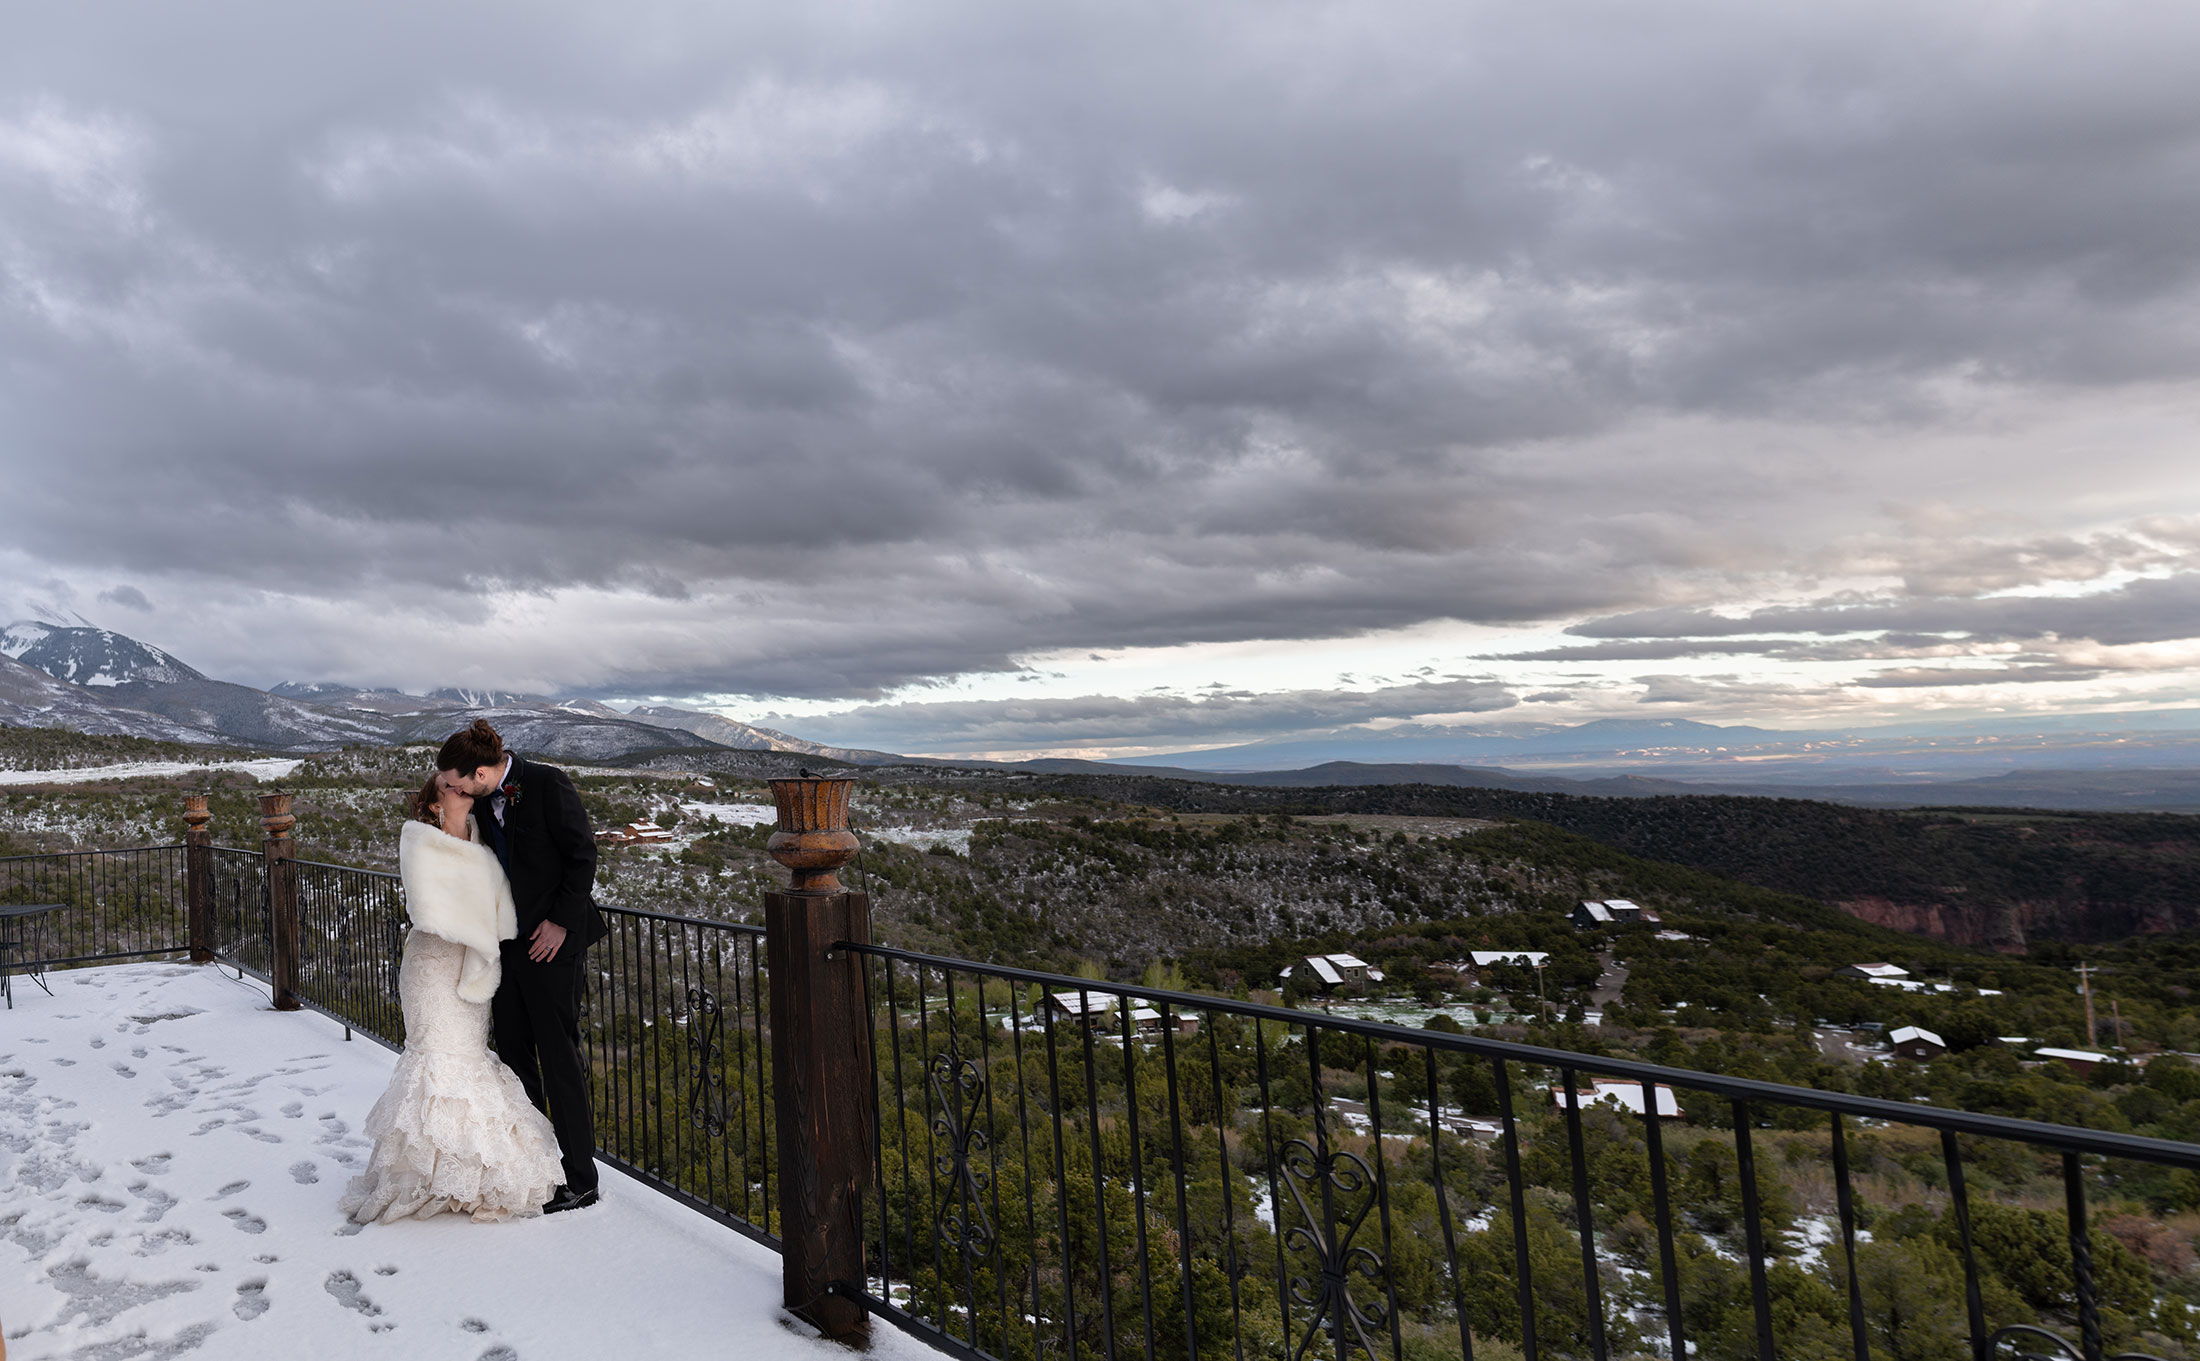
92	657
29	698
95	680
474	697
555	731
725	732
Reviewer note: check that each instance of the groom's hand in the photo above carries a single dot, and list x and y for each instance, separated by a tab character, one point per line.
543	945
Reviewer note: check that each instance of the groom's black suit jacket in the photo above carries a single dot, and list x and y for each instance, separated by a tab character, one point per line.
549	853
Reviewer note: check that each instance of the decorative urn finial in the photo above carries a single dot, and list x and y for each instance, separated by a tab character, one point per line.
195	814
812	839
275	816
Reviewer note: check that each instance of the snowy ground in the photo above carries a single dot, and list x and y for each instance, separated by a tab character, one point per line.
271	769
699	814
171	1151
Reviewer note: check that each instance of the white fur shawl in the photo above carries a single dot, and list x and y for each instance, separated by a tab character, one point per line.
456	889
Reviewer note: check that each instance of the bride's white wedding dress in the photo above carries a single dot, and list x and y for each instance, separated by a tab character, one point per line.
453	1132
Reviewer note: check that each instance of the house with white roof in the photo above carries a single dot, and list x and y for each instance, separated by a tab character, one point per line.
1147	1022
1081	1006
1330	972
1916	1043
1592	913
1876	973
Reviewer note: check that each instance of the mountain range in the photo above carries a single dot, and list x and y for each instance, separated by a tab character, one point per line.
94	680
1766	760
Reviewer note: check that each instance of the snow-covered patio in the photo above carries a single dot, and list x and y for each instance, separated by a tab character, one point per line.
171	1151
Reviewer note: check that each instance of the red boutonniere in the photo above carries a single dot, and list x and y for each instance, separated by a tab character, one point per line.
511	795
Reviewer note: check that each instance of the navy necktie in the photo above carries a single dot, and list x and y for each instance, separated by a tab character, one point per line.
492	831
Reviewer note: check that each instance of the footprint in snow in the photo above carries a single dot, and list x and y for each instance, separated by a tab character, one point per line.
499	1352
157	1204
304	1173
101	1204
473	1325
251	1298
348	1228
152	1164
245	1219
153	1244
294	1110
385	1271
64	1063
345	1287
98	1043
231	1189
125	1069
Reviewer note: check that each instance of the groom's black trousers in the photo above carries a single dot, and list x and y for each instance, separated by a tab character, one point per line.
536	1015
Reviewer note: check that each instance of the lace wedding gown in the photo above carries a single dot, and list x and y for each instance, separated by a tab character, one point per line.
454	1132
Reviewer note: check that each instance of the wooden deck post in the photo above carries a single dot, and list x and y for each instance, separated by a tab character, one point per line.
280	855
821	1061
198	877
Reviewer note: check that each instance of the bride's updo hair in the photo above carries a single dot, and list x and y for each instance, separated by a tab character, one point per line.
472	747
422	806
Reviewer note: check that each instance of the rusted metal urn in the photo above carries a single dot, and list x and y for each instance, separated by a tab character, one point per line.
276	819
812	839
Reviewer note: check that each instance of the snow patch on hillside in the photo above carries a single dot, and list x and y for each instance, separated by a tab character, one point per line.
276	768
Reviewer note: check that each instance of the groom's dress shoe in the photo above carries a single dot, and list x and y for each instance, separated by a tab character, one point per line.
566	1198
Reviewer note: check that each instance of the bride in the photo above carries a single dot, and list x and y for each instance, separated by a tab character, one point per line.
454	1132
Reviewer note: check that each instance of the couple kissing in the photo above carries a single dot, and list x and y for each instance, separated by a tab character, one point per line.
498	863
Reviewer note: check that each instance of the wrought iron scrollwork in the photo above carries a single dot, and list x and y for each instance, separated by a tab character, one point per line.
707	1099
1346	1188
2028	1343
962	1224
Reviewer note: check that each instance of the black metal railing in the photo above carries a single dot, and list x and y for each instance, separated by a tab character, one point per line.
114	905
676	1031
238	914
1079	1168
1070	1167
351	938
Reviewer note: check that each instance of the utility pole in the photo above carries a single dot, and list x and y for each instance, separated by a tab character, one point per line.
2085	985
1541	1004
2116	1010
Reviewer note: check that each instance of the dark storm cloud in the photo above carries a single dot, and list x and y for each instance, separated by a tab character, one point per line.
1107	720
854	348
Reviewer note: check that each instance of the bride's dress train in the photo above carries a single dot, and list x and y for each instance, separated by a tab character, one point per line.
454	1131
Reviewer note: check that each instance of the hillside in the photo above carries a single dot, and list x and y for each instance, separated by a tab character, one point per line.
1993	877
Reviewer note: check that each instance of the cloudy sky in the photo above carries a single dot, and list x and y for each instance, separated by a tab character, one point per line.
1117	377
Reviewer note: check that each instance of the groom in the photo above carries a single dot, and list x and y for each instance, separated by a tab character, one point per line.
531	816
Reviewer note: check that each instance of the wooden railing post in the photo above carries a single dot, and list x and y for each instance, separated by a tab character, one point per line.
198	877
280	855
821	1060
